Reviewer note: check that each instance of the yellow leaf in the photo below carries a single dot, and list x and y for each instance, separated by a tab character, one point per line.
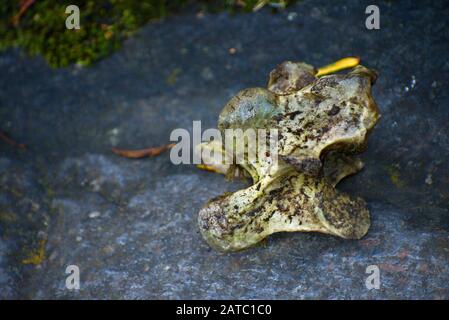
207	168
37	256
341	64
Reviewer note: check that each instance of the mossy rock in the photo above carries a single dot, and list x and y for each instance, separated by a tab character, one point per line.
104	25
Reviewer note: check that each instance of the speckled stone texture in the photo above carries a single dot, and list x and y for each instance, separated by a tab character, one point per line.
130	225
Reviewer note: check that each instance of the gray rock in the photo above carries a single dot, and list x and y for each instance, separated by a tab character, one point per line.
145	243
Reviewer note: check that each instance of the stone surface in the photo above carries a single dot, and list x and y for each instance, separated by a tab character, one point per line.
130	226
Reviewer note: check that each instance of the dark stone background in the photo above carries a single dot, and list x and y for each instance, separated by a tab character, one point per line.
130	226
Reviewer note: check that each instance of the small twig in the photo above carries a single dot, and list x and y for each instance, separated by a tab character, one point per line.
24	5
142	153
11	142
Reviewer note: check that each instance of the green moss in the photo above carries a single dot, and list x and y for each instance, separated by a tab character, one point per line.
104	25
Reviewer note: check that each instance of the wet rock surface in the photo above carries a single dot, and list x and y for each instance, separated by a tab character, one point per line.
131	225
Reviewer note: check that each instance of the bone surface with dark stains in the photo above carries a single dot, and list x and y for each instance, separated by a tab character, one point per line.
294	194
